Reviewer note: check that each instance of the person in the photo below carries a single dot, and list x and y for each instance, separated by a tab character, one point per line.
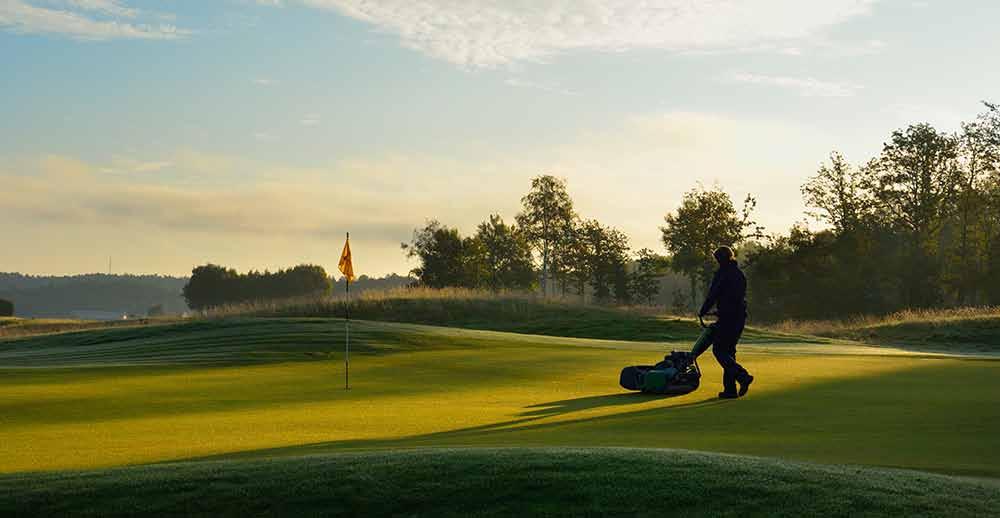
728	294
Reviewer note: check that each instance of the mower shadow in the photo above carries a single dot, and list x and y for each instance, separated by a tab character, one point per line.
567	406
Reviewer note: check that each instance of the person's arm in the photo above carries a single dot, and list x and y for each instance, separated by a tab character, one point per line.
713	293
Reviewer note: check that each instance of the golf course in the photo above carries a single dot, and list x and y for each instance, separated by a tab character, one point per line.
464	420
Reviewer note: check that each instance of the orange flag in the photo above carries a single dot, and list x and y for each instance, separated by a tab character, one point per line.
345	265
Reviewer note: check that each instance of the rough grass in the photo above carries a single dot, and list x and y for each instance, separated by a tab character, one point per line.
498	482
259	388
472	309
970	329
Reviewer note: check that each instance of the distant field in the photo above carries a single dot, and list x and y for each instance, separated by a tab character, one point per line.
509	482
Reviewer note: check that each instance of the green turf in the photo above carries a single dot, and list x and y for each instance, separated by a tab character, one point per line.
270	387
484	482
250	392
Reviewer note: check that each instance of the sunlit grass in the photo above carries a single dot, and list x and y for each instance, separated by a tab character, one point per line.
275	387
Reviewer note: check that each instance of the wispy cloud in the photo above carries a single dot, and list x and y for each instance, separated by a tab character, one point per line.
263	81
534	85
804	86
486	33
126	164
108	7
83	19
310	119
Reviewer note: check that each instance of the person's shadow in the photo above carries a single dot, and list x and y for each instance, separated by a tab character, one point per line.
568	406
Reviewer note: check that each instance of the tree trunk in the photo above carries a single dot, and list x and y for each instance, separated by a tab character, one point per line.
545	271
694	300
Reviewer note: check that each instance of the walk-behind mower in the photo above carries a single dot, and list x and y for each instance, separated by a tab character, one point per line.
677	374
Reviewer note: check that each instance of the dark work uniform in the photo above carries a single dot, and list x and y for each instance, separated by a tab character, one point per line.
728	294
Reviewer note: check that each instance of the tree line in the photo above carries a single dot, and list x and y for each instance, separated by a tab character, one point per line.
578	256
916	226
212	285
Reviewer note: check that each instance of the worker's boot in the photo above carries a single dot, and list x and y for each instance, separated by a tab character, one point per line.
745	384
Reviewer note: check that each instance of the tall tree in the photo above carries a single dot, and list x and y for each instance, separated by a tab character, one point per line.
645	278
505	255
210	285
705	220
608	253
441	252
988	126
916	178
837	190
546	219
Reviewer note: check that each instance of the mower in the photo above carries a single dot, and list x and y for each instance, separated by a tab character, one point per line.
677	374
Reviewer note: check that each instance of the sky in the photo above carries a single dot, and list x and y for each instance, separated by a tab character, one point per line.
255	134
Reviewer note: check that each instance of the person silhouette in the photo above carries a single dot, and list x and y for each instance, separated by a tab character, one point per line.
728	294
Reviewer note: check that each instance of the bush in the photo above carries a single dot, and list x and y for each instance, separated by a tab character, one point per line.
6	308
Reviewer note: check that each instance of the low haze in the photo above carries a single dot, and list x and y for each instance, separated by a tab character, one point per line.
255	134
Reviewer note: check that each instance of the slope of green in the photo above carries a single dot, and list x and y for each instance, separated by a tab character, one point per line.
274	387
485	482
508	313
980	335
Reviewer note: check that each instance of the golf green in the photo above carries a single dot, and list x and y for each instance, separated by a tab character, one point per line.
259	388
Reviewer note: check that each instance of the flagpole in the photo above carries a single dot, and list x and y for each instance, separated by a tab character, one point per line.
347	331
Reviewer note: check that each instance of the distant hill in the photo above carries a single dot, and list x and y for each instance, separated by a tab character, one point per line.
79	295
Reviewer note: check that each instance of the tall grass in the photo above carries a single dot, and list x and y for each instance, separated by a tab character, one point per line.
370	301
841	327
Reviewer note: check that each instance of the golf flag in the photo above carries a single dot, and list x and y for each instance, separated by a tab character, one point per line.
347	269
345	265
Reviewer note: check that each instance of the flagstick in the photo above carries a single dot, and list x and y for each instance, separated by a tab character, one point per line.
347	328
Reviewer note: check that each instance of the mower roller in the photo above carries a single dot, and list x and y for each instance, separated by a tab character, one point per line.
677	374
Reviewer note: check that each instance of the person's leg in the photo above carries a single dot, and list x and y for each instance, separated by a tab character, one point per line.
727	360
726	337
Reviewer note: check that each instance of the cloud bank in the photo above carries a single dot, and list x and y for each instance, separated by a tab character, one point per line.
489	33
82	19
174	211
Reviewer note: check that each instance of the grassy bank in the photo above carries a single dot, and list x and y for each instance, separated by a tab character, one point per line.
974	329
489	482
471	309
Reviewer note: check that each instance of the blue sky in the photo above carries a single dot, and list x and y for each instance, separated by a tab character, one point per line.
255	133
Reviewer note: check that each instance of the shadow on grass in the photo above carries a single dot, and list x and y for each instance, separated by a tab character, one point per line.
567	406
905	418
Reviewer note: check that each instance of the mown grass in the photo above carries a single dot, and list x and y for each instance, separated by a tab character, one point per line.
258	388
504	482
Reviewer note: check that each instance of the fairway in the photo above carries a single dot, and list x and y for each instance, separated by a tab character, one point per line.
244	389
